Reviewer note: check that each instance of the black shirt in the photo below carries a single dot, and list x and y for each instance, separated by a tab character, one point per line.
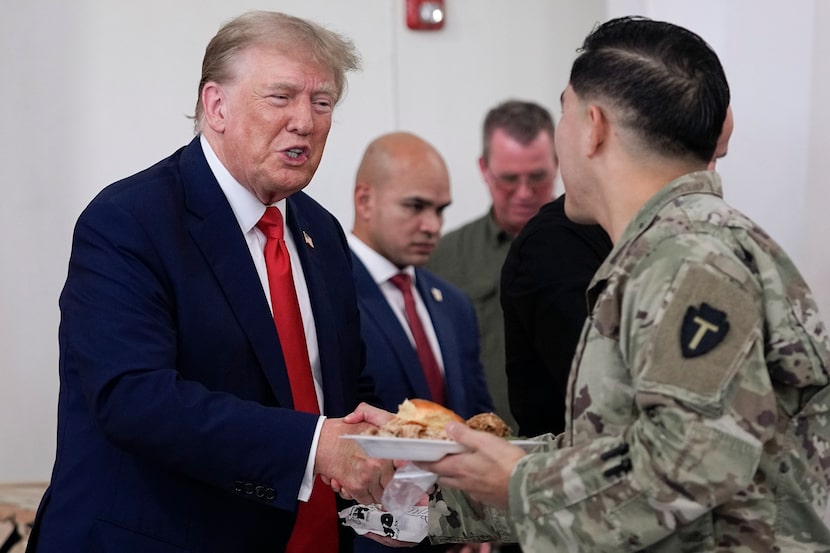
543	284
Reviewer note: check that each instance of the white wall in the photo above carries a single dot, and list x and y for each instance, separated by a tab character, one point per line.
775	55
816	262
94	90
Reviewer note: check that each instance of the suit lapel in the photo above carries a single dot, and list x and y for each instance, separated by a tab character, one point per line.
378	312
446	332
303	231
216	233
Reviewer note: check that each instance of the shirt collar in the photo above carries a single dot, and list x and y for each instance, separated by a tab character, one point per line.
246	207
495	233
380	268
698	182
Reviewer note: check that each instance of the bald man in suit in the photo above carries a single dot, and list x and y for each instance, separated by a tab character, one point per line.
401	191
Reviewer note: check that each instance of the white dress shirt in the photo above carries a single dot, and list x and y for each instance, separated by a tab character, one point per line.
381	270
248	210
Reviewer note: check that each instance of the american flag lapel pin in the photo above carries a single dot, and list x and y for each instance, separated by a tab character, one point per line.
436	293
308	239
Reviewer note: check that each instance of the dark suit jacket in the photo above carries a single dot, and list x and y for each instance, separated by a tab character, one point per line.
392	362
175	423
543	285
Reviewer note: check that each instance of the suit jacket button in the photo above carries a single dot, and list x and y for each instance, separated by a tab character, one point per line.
249	488
269	494
237	486
260	491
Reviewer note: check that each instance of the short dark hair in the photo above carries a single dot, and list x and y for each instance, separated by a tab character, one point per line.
665	81
521	120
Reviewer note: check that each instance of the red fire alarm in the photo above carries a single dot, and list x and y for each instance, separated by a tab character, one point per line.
425	15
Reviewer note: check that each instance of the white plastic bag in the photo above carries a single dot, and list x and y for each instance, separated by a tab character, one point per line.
407	487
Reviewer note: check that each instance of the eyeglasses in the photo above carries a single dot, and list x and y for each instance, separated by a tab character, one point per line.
510	182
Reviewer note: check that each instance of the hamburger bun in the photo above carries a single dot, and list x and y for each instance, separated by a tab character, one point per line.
424	419
427	413
490	423
419	418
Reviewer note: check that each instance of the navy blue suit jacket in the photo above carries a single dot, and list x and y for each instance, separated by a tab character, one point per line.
175	423
391	360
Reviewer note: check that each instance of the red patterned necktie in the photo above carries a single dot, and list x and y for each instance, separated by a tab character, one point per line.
316	526
429	364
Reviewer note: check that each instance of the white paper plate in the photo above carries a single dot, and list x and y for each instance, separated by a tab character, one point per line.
416	449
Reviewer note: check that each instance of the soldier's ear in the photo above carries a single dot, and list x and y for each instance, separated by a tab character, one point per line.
598	129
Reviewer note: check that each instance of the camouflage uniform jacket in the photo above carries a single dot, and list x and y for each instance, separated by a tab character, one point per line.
698	406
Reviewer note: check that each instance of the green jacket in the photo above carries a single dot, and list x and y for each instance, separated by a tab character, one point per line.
471	257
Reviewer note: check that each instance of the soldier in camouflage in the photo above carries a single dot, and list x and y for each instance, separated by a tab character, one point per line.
698	404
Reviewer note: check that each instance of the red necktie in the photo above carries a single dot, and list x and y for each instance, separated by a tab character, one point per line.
432	372
316	526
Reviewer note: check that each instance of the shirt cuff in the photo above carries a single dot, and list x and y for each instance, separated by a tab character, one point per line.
308	478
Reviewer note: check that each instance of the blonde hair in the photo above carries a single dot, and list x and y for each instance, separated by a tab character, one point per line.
331	49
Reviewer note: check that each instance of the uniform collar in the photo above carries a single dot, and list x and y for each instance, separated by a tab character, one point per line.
698	182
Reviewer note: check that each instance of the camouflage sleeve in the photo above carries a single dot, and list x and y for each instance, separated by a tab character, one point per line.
691	345
455	518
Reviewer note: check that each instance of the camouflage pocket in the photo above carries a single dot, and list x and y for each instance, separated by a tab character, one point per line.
807	464
798	352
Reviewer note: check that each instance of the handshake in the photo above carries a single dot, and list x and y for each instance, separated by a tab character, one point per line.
349	471
344	465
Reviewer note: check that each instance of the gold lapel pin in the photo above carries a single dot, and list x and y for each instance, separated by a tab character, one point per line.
308	239
436	293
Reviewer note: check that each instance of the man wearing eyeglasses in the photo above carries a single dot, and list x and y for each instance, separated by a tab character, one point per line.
519	165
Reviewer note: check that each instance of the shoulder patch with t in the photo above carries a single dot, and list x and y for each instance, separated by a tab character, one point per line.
706	330
703	328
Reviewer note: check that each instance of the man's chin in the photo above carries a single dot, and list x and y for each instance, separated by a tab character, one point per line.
296	177
418	259
283	184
